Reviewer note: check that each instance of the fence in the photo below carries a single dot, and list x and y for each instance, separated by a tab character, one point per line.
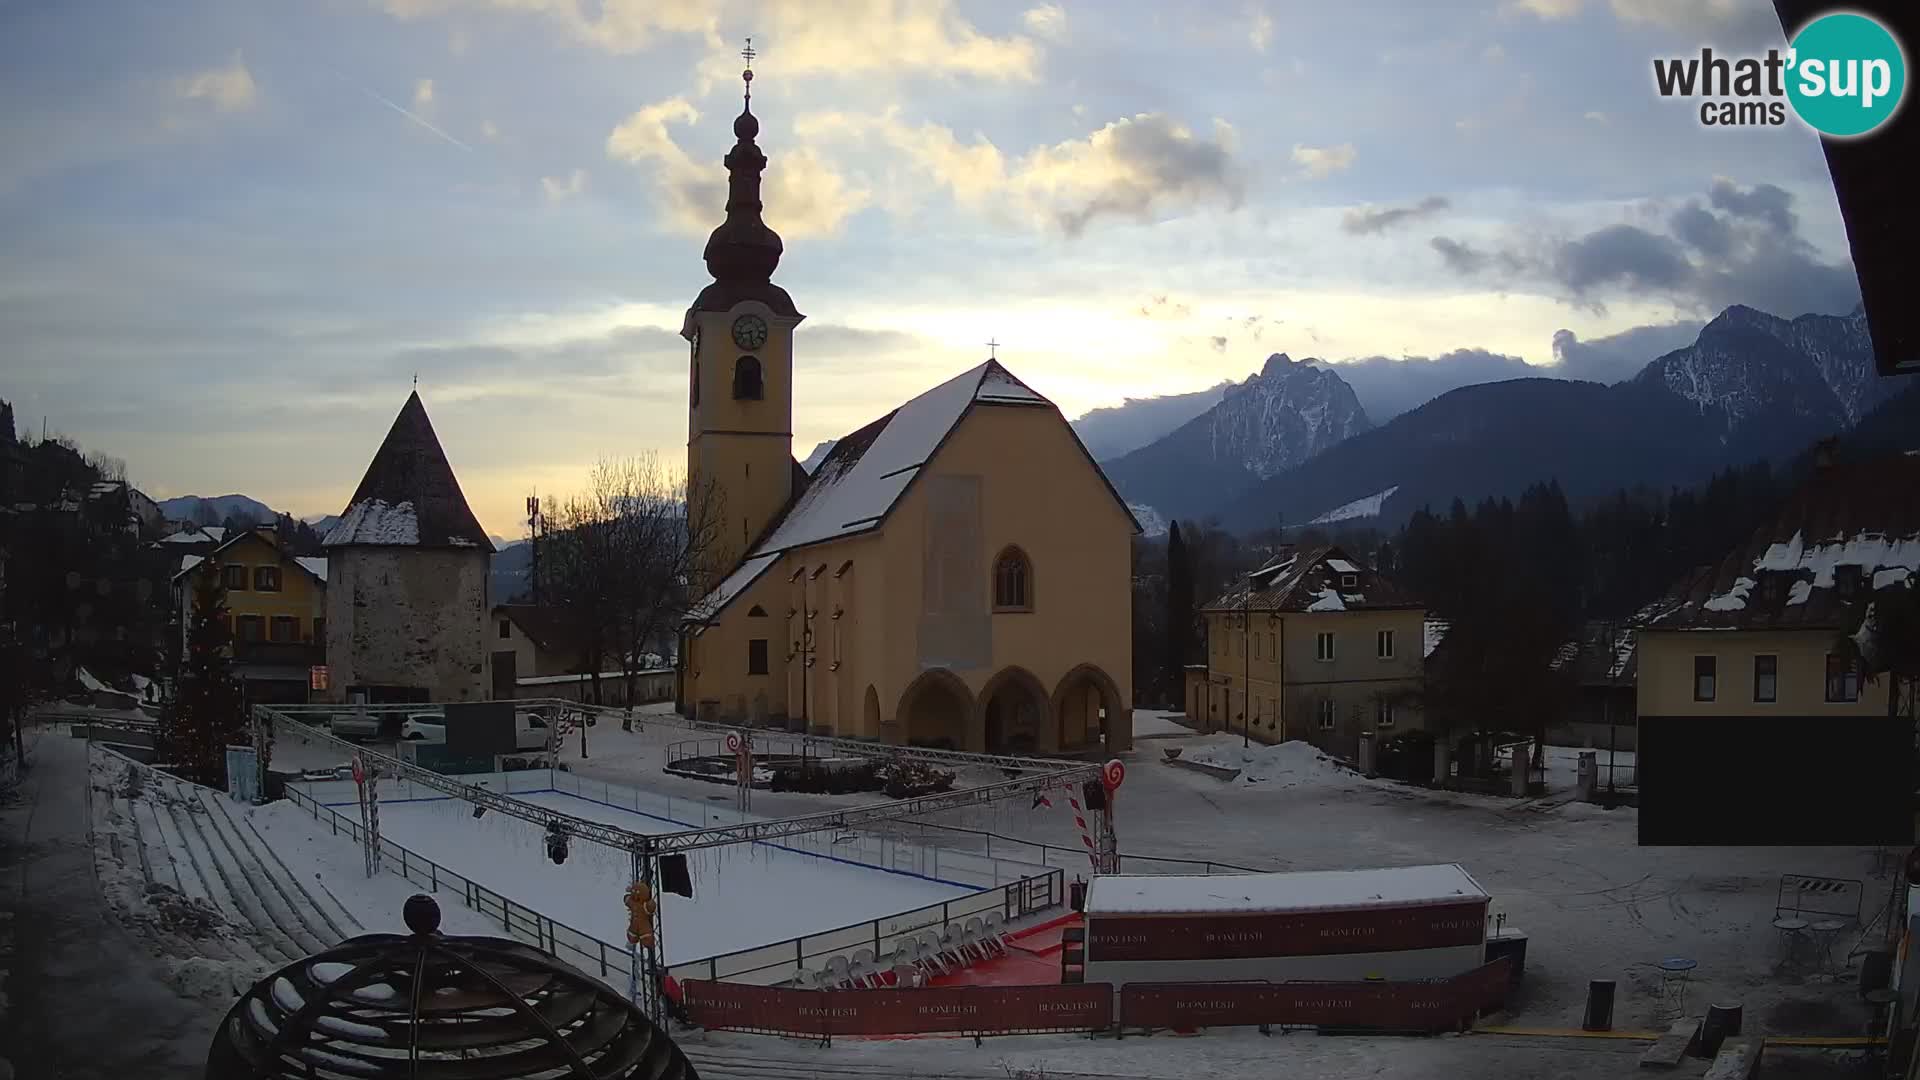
1422	1006
1002	846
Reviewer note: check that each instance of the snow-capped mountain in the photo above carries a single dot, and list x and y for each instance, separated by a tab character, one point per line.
1277	419
212	510
1749	368
1151	523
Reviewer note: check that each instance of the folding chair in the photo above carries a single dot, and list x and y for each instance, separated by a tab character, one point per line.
838	974
997	931
931	952
906	976
864	968
975	933
953	945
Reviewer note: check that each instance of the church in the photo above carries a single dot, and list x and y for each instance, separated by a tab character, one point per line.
957	573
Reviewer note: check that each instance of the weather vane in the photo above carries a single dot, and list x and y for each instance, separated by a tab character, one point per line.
992	345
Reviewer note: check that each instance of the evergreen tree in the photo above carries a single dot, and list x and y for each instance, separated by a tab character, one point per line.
1180	613
206	714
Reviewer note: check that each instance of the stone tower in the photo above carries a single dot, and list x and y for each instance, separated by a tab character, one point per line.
740	465
407	578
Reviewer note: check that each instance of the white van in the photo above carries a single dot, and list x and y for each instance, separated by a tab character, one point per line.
530	729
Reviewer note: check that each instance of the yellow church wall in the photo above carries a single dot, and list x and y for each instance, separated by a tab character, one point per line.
743	447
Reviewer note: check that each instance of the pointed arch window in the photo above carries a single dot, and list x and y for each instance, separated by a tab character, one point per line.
1012	581
746	379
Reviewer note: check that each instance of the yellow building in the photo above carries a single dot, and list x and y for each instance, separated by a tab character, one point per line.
1311	646
956	573
276	611
1758	634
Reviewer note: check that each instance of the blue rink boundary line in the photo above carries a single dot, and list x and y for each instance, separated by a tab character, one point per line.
685	825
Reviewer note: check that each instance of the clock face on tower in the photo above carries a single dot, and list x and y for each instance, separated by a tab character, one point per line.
749	331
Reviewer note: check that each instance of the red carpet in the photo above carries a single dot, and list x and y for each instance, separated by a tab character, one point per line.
1032	959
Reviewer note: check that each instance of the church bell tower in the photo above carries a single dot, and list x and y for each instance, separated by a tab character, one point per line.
740	465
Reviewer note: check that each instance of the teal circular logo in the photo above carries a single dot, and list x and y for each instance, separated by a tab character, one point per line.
1846	74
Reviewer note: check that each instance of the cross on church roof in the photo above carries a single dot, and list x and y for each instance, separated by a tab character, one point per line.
991	347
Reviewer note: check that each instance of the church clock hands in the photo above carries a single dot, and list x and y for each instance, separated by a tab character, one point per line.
749	331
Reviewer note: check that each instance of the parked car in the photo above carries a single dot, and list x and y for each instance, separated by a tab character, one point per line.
530	731
353	725
424	727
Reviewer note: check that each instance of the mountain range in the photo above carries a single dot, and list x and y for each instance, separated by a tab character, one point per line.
1292	445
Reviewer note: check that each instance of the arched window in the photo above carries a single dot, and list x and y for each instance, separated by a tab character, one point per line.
1012	581
756	612
746	379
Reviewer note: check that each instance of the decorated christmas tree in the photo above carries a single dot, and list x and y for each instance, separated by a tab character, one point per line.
206	714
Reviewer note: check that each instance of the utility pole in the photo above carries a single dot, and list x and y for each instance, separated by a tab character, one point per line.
1246	662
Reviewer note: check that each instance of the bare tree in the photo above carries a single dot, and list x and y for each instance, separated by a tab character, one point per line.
625	559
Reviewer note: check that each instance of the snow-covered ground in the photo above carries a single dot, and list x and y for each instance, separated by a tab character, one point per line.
743	895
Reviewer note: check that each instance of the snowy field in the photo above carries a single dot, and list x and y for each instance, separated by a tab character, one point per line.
745	895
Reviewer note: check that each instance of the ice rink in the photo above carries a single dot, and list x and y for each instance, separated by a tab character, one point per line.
744	895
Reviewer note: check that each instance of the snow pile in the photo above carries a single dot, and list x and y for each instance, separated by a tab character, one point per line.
1734	599
1288	764
1868	550
1365	507
375	521
1327	600
215	980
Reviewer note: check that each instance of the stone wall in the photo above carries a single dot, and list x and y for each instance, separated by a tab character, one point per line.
408	617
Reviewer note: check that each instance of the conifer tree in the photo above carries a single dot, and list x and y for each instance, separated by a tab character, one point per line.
206	714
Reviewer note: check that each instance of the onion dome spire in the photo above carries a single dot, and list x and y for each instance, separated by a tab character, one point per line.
743	250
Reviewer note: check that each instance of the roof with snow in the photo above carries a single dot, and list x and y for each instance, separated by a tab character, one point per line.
211	534
1306	890
316	566
1603	654
409	497
1850	530
864	475
1313	579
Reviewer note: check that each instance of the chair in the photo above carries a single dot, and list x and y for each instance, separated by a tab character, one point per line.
930	952
975	933
997	930
806	980
864	968
838	974
953	945
906	976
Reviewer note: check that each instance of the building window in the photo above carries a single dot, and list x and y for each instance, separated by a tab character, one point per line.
1323	646
506	629
1843	679
1383	713
235	578
1012	581
1272	646
757	656
746	379
284	629
1766	678
266	579
1327	714
1256	646
250	628
756	612
1705	670
1383	644
1348	581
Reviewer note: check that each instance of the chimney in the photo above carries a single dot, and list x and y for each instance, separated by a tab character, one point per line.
1824	451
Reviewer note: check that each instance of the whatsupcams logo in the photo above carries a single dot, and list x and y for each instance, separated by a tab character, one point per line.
1843	75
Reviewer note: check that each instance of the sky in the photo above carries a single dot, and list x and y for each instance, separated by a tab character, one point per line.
238	230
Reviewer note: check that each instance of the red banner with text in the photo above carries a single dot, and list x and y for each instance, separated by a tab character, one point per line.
969	1009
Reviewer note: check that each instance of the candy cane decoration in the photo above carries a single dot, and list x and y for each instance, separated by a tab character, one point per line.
1080	819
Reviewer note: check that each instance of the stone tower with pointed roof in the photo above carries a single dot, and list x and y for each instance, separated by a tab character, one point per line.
955	573
740	463
407	578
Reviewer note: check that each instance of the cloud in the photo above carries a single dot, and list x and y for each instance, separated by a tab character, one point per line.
229	89
489	131
1371	219
1322	161
1731	21
1625	256
1702	230
1160	307
804	196
1549	9
1388	386
1615	357
1762	202
562	188
1047	21
1494	53
1260	33
1595	116
1136	168
620	26
1748	250
1219	343
422	95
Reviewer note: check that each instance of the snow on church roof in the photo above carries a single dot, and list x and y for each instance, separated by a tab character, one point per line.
409	496
857	484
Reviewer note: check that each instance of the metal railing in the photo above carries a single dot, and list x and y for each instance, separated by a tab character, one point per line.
1001	846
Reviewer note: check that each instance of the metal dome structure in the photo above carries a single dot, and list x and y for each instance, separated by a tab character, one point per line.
436	1007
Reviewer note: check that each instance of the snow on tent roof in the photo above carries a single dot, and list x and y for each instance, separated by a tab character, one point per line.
409	496
1311	890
